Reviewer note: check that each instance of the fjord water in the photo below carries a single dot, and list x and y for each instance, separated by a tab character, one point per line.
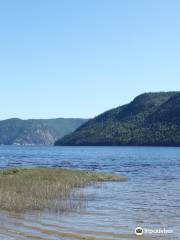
150	198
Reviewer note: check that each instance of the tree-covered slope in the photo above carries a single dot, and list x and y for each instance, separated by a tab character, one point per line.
150	119
36	131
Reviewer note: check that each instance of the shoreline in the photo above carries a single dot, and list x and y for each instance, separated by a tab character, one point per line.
55	189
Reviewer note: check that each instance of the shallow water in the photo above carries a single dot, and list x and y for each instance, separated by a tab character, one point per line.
150	198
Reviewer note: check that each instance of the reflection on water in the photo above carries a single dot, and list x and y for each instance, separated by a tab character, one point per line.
150	197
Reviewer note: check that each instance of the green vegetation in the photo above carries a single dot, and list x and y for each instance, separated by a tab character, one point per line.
150	119
45	188
36	131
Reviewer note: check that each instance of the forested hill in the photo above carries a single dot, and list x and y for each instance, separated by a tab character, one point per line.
36	131
151	119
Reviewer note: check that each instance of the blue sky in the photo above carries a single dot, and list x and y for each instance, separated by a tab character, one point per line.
78	58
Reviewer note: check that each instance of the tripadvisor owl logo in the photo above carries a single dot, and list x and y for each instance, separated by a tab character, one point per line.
139	231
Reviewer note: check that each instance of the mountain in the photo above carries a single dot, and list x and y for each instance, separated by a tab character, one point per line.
36	131
151	119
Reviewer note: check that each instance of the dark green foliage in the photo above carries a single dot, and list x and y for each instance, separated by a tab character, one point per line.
36	131
150	119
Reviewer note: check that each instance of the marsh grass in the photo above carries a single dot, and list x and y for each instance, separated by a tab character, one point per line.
46	188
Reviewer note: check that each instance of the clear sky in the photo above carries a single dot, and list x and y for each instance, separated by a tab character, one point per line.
78	58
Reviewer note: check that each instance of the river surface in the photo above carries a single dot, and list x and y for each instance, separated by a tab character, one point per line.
150	198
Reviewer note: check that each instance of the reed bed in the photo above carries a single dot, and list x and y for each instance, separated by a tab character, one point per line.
46	188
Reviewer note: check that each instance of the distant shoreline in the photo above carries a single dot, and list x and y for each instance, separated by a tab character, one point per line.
86	145
115	145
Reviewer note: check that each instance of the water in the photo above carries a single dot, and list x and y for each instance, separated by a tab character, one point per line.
150	198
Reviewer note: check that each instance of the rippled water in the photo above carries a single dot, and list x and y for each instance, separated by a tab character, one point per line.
150	198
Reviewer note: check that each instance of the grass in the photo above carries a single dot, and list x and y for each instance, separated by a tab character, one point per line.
45	188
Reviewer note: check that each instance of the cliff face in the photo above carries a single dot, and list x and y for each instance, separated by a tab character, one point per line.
150	119
36	131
